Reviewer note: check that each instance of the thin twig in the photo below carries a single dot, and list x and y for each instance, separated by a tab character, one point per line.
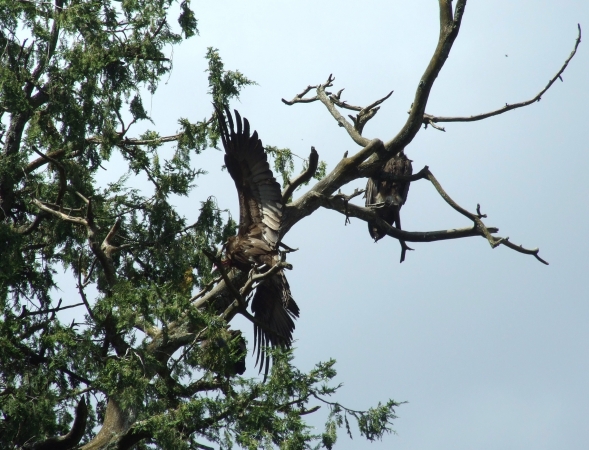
429	119
26	313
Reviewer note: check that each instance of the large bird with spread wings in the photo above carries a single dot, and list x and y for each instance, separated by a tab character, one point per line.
257	240
388	196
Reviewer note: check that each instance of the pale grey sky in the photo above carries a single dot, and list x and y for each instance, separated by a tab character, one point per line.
489	347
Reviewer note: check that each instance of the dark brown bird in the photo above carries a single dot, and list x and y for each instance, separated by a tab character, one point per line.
387	197
256	243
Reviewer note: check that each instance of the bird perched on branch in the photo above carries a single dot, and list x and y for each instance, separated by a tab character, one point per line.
257	239
387	196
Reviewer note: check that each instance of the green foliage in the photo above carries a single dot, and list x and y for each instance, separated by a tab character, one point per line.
72	77
282	160
224	85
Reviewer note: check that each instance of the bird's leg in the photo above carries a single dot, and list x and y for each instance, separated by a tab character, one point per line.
404	246
376	205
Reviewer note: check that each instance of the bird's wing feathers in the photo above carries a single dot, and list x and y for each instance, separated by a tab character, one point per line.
371	191
273	306
406	169
259	192
399	165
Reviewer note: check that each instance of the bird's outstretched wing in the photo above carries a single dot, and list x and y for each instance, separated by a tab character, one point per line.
260	204
274	307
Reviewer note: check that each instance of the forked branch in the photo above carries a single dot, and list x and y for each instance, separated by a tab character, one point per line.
340	203
303	177
332	100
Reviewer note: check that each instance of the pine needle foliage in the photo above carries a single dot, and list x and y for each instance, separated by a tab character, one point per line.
144	364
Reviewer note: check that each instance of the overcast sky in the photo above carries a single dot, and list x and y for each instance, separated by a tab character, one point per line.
489	347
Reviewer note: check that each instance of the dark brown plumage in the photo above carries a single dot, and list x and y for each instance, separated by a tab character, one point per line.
256	243
388	196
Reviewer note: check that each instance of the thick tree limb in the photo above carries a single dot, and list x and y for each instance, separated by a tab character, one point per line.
449	28
71	439
430	119
57	154
344	172
337	203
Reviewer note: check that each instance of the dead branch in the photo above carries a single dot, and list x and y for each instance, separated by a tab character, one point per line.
299	98
328	99
475	218
449	27
60	215
367	113
103	252
341	203
303	177
366	214
341	120
430	119
26	313
106	245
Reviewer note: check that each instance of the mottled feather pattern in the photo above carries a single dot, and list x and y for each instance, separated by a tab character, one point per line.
260	216
247	164
392	193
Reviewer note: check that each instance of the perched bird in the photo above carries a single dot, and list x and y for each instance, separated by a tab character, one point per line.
386	196
257	239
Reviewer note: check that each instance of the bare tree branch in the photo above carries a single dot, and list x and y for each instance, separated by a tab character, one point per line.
341	204
449	28
26	313
367	113
364	113
337	203
303	177
299	97
430	119
341	120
